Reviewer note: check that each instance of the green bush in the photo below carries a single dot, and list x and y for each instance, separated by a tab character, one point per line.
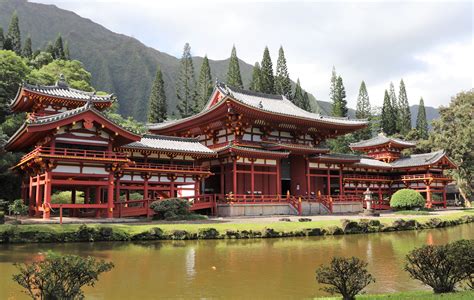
18	208
65	197
2	217
132	196
171	209
442	267
407	199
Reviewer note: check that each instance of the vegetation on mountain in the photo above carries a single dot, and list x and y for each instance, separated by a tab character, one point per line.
233	74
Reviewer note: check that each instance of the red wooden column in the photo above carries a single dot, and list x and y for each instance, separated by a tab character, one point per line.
110	196
47	195
87	194
252	177
308	177
234	175
278	176
117	189
145	186
222	191
38	194
444	195
341	186
329	180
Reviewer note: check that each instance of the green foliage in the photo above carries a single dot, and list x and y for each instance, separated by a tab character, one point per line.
132	196
442	267
407	199
363	111
266	73
27	51
454	132
298	96
282	78
388	117
421	122
171	209
76	76
65	197
341	143
59	48
204	85
345	276
66	51
256	83
128	123
404	114
60	277
13	35
306	105
2	217
157	111
2	38
185	85
233	74
339	108
18	208
41	59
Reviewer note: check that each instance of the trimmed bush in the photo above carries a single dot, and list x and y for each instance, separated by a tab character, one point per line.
171	209
407	199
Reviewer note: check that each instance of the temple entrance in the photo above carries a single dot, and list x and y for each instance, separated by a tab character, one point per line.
285	186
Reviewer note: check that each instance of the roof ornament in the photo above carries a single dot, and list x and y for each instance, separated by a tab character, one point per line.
89	101
62	82
260	105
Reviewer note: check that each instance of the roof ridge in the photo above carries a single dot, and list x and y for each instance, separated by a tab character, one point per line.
173	138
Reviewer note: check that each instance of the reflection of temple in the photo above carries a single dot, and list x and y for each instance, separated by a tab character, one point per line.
243	147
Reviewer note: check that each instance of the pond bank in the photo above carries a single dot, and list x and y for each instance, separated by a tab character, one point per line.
54	233
461	295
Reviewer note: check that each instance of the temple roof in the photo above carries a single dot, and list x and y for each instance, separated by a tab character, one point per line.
417	160
294	147
336	157
173	144
238	149
381	139
374	163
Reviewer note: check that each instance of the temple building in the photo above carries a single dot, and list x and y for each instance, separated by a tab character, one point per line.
244	149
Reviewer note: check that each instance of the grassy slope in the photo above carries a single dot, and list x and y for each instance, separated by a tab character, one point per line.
416	295
222	227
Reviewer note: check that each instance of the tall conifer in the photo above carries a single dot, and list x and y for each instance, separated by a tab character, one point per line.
363	111
66	51
2	38
59	48
388	118
339	108
14	36
204	85
27	51
332	88
305	104
266	76
185	85
282	78
404	114
157	111
298	96
421	122
394	103
256	83
233	73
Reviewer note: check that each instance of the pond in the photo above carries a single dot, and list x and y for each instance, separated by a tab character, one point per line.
260	268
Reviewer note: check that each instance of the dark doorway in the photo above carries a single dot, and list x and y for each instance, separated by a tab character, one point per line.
285	186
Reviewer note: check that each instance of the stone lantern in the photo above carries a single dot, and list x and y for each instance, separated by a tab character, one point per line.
368	211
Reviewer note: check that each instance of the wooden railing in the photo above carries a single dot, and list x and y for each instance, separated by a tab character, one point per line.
255	198
366	177
424	176
151	166
70	152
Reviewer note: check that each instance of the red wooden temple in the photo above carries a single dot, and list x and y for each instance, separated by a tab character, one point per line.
243	148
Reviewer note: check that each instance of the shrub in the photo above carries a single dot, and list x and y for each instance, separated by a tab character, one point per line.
2	217
65	197
17	208
346	276
442	267
171	209
132	196
60	277
407	199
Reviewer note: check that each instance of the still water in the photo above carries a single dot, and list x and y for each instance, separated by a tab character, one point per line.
252	269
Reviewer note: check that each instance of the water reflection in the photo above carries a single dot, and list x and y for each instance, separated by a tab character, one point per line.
267	268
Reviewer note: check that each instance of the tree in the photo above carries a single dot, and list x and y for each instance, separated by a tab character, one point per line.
27	51
233	73
345	276
13	35
66	51
282	78
41	59
306	105
157	102
266	75
332	88
60	277
204	85
2	38
50	49
363	111
59	48
421	122
453	132
185	85
394	105
339	108
256	83
404	114
388	118
298	96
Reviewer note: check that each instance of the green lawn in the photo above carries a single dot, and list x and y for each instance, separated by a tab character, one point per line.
415	295
193	227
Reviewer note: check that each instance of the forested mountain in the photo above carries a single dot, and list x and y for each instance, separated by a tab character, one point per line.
119	63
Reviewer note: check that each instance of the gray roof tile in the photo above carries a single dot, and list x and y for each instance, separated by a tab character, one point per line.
64	91
416	160
168	143
380	140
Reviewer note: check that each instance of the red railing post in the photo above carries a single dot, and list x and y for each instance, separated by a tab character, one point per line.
61	214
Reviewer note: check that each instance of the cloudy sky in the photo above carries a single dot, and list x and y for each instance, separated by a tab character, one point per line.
427	43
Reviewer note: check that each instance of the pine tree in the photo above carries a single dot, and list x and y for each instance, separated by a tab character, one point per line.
256	83
332	88
185	85
266	76
394	104
339	108
305	104
204	85
403	110
233	74
282	78
421	122
157	111
50	49
14	36
363	111
59	48
2	38
66	51
298	96
27	51
388	118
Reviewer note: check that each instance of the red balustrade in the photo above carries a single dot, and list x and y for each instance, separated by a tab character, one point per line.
152	166
71	152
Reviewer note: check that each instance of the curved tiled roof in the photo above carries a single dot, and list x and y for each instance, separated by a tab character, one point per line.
419	159
62	90
380	140
168	143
